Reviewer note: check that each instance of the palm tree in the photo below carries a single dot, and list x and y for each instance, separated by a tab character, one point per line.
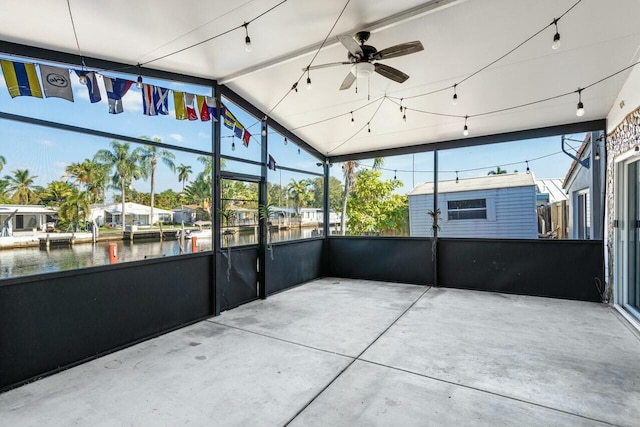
75	207
199	192
300	194
92	175
3	161
57	192
183	174
149	160
498	171
21	183
4	192
349	172
125	165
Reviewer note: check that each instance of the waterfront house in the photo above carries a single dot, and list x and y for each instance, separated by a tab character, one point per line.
25	218
493	206
135	213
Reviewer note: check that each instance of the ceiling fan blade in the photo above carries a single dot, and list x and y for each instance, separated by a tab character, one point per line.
352	45
348	81
399	50
391	73
331	64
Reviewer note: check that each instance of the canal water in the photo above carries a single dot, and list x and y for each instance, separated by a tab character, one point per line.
28	261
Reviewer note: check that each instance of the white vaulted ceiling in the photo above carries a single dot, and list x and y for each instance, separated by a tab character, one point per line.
598	38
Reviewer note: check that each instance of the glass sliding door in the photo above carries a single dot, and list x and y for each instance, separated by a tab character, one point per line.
628	237
632	297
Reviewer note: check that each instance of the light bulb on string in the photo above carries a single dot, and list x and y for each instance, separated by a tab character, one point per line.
368	127
247	39
286	141
404	115
308	80
295	87
527	162
465	131
298	151
352	119
139	82
597	153
556	37
457	177
401	104
454	100
233	146
395	174
580	107
82	78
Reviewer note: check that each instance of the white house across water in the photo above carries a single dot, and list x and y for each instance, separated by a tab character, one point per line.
493	206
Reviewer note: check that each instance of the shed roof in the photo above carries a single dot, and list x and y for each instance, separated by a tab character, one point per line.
507	180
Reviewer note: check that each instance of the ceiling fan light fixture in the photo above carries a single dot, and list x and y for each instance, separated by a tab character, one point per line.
363	69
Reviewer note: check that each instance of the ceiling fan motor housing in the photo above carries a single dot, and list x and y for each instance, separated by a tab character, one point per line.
363	69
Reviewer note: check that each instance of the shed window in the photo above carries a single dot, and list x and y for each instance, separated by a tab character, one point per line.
467	209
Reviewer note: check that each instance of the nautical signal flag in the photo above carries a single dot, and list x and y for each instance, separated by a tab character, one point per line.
116	89
178	103
21	79
238	130
203	108
272	163
246	138
229	119
213	110
191	111
154	100
56	82
92	85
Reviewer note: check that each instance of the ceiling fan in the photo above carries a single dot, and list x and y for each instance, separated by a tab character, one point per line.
362	56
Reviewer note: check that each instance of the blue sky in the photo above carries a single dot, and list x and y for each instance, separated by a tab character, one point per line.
46	152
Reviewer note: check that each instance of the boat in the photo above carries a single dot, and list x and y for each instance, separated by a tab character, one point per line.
203	232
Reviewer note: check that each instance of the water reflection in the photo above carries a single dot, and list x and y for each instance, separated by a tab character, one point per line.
29	261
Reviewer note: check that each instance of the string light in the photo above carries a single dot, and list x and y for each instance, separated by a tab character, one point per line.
139	82
298	150
527	162
556	37
580	110
295	87
401	104
465	131
286	141
83	77
457	177
404	115
352	119
395	174
308	80
368	128
454	100
247	39
233	146
597	153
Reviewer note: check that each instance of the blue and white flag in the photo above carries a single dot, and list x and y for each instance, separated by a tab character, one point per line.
161	100
92	85
272	163
116	89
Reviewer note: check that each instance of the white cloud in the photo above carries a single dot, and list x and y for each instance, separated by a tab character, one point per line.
46	142
176	137
132	101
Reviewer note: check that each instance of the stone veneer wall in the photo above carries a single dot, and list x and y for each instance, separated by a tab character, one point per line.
623	138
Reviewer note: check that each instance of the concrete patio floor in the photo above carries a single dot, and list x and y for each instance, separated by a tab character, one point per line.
341	352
